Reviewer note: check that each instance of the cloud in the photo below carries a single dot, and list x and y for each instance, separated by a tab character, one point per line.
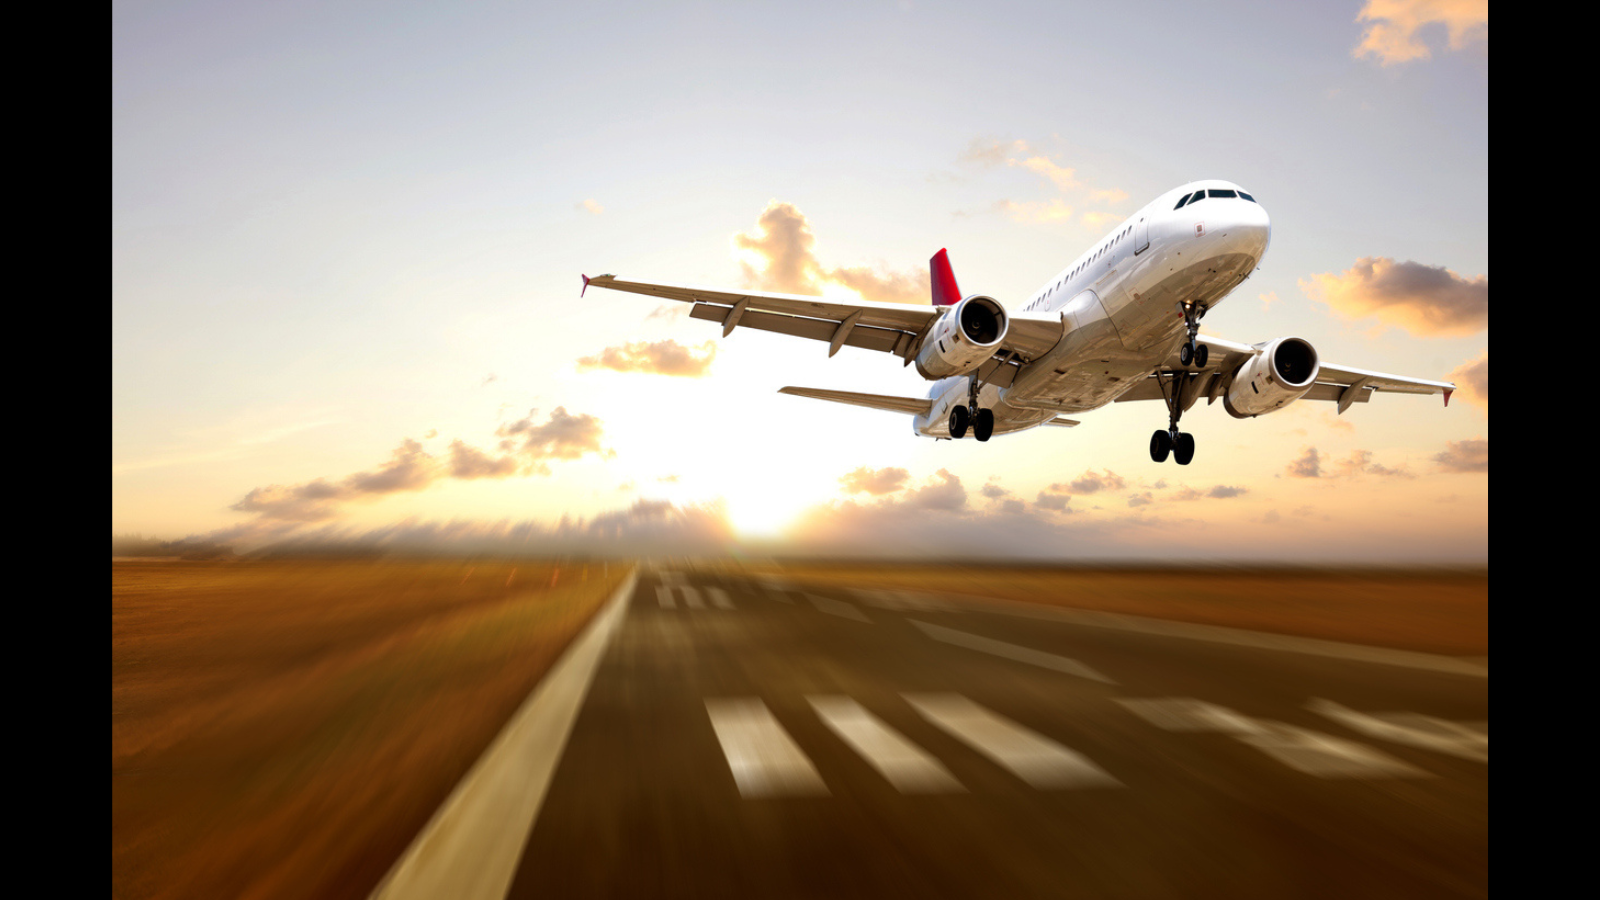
670	312
563	436
946	493
1054	502
1360	462
785	247
469	462
1309	465
592	206
1037	211
876	482
1090	483
1061	179
1472	380
667	357
409	469
1464	456
1431	301
1392	30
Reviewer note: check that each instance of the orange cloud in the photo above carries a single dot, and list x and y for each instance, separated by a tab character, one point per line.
784	245
876	482
1392	30
1431	301
1472	380
666	357
1464	456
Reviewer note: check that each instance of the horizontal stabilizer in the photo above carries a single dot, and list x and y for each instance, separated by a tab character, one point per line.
909	405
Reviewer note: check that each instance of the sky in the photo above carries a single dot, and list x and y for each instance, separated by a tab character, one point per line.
347	241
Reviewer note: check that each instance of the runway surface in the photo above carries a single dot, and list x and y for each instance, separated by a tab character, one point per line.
745	737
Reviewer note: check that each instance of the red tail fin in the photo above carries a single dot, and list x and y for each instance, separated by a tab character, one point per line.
943	279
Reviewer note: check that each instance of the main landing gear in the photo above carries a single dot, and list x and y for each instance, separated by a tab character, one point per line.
1192	352
1179	444
980	420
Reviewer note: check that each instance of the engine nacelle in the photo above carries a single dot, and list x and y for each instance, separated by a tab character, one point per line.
1272	379
966	335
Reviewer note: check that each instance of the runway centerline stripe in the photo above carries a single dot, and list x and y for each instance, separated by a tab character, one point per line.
764	760
471	846
1010	651
838	608
1034	758
904	764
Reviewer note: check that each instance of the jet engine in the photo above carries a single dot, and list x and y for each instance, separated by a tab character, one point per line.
1272	379
966	335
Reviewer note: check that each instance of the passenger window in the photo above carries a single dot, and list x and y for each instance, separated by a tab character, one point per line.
1247	196
1216	193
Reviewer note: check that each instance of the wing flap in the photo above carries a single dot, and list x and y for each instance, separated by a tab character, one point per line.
911	405
866	336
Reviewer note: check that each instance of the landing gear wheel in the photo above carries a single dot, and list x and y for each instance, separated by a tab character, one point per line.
958	422
983	424
1160	446
1201	353
1186	354
1183	448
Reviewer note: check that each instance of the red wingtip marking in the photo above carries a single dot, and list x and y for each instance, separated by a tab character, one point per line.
585	285
943	280
1447	397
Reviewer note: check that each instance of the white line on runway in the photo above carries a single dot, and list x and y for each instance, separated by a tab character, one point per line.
764	760
1030	756
838	608
907	766
1412	729
691	597
719	598
664	597
471	846
1010	651
1301	749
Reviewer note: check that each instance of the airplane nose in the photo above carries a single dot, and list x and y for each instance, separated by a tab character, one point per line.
1250	229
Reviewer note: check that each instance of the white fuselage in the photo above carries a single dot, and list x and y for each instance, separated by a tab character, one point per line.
1119	307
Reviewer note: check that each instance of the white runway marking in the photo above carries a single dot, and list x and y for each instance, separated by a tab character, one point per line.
907	766
777	588
902	600
1030	756
764	760
471	846
1010	651
664	597
719	598
691	597
1412	729
838	608
1301	749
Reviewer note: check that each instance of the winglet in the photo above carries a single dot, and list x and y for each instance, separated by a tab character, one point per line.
1447	397
585	285
943	280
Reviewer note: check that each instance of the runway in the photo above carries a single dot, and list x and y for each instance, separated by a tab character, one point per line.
750	737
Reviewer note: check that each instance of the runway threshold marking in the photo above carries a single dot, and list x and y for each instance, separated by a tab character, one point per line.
719	598
838	608
764	760
471	846
1031	756
1010	651
1412	729
908	767
1301	749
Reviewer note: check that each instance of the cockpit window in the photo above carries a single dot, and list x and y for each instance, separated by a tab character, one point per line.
1197	197
1216	193
1247	196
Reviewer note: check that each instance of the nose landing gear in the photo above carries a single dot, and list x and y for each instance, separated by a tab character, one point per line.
1193	352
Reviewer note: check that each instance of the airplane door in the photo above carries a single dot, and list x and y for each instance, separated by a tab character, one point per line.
1141	236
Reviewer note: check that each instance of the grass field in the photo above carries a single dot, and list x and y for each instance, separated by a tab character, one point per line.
1433	611
286	728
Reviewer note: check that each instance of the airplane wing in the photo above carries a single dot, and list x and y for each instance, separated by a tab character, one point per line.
912	405
895	328
1342	384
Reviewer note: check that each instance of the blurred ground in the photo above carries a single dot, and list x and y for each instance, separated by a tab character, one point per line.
284	728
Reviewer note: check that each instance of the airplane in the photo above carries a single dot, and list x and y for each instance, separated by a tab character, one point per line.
1120	323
